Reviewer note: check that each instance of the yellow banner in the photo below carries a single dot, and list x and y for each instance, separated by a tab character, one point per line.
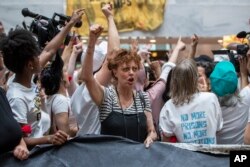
129	15
228	39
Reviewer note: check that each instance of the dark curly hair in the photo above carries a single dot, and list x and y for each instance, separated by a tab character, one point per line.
52	75
209	67
18	47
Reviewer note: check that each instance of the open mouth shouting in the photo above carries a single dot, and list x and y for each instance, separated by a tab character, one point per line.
131	80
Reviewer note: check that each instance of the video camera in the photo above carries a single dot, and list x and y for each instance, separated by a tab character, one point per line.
46	28
231	54
242	49
233	51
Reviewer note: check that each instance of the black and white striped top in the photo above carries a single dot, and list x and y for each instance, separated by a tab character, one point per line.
111	102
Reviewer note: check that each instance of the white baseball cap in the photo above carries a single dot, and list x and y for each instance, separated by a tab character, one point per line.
100	53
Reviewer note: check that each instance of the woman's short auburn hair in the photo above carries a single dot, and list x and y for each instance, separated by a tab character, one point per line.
123	56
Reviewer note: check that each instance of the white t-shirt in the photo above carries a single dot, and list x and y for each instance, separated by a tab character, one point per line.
235	120
85	111
24	103
59	103
195	122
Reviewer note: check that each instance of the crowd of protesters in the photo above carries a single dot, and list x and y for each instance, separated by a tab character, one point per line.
45	99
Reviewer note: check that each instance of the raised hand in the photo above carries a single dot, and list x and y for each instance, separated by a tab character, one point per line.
77	49
180	45
194	44
107	10
95	31
134	45
243	65
243	60
195	40
77	16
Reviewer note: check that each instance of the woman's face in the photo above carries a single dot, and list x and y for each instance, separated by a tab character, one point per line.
203	81
126	74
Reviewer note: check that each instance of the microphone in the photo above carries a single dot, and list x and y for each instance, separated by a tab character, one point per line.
26	12
242	34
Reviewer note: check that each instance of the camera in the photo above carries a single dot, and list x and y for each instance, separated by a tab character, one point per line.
46	28
232	54
242	49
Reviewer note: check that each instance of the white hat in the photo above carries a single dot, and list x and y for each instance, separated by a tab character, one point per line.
99	55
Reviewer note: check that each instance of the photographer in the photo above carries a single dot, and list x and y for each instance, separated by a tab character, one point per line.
234	103
247	130
23	57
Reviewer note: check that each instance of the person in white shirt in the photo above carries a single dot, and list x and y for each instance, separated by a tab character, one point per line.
234	104
247	130
83	107
23	57
55	83
190	115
